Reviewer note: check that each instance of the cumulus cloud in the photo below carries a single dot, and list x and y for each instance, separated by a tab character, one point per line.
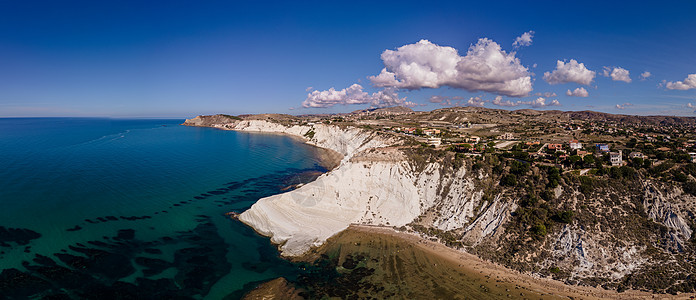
354	94
499	101
691	106
541	102
485	67
579	92
623	106
476	101
524	40
687	84
437	99
537	103
645	75
546	94
570	72
617	74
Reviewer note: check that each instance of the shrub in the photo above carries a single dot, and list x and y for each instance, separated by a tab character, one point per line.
310	133
690	187
565	216
509	180
539	230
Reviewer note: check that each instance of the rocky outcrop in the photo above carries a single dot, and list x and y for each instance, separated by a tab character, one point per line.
661	205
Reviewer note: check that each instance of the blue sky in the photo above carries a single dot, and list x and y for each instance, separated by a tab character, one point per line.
184	58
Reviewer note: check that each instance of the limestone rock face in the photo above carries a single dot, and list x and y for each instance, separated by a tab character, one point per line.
660	205
374	184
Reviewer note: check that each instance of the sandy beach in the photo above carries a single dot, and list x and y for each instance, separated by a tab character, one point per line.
471	264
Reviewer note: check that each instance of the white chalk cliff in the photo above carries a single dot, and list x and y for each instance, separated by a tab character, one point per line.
374	184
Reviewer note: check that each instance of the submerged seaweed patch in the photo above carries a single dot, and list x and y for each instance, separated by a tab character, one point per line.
96	271
20	236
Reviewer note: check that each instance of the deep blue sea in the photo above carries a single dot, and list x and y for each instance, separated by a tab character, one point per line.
111	208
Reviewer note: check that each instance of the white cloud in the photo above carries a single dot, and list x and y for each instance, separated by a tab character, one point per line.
485	67
499	101
476	101
410	104
537	103
353	94
623	106
617	74
389	97
309	88
541	102
437	99
645	75
687	84
546	94
524	40
689	105
570	72
579	92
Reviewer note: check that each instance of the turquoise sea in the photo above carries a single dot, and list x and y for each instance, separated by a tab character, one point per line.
111	208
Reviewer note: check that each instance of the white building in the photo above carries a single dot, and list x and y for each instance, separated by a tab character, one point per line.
693	157
636	155
574	144
615	158
435	141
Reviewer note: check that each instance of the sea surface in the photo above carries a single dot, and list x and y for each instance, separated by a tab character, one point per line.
112	208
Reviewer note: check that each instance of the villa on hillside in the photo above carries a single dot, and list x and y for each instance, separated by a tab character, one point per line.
635	155
506	136
434	141
615	158
574	144
473	139
431	132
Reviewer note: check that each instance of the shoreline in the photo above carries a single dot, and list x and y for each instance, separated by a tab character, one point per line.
475	264
330	159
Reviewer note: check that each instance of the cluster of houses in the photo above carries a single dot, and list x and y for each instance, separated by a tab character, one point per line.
616	158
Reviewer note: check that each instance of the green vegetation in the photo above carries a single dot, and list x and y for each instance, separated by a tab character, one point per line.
232	117
309	134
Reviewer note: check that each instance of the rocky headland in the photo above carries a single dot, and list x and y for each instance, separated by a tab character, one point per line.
625	232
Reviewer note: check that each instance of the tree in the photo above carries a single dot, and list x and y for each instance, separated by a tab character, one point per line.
554	176
588	160
575	160
637	162
565	216
539	230
509	180
519	168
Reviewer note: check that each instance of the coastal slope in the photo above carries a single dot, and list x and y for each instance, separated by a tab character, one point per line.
615	231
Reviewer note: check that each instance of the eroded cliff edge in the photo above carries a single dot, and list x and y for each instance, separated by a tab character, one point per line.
621	233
